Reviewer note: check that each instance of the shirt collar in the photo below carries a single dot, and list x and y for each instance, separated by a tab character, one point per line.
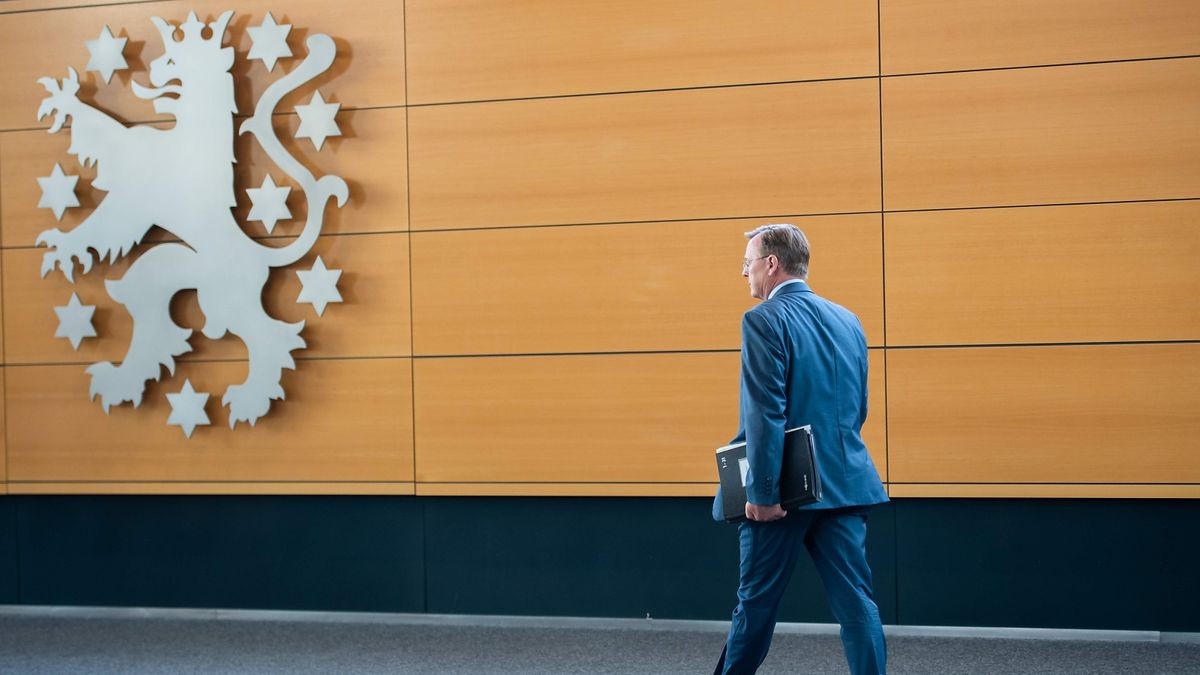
786	283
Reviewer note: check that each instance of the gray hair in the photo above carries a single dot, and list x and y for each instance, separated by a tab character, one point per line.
787	243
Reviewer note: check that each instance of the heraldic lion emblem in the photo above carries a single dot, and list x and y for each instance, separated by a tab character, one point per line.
181	180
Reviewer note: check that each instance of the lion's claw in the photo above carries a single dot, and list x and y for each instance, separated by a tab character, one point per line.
49	238
48	264
247	405
62	254
62	98
54	259
114	385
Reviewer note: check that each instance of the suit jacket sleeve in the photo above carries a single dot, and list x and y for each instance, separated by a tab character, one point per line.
764	405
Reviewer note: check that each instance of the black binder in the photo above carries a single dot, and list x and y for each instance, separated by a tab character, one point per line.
799	479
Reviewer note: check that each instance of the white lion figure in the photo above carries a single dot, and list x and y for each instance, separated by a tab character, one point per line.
181	179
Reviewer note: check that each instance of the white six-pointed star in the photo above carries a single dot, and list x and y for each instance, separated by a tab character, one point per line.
106	54
317	120
269	203
75	321
58	192
319	286
268	41
187	409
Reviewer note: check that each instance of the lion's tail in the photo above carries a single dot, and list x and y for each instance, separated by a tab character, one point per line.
321	52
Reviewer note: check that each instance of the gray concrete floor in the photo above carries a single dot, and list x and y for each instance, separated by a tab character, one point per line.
82	644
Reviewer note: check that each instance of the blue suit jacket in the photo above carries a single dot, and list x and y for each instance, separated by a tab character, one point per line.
804	361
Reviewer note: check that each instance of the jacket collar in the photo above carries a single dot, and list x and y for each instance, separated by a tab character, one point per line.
801	287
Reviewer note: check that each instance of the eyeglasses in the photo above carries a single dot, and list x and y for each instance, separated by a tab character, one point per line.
746	262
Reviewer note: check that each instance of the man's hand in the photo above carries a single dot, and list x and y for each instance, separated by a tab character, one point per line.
764	514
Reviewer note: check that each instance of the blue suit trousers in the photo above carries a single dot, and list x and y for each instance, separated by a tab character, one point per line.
836	539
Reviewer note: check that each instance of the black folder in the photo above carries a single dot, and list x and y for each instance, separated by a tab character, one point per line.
799	479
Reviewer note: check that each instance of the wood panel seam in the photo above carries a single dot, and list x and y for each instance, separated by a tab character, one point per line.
408	172
710	218
1046	205
237	117
484	228
386	357
230	481
882	230
348	107
774	83
1033	66
995	345
629	92
263	237
1031	483
543	482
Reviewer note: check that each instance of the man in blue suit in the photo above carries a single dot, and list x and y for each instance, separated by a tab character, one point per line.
804	361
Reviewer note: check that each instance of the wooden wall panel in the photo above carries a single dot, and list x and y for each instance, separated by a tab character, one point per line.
1093	414
343	421
213	488
13	6
3	336
368	73
655	156
1045	490
3	441
643	266
605	288
1109	132
566	489
1108	273
45	44
614	418
491	50
648	418
372	320
874	432
938	35
24	157
370	156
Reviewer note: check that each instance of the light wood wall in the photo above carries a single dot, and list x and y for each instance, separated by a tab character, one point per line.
546	215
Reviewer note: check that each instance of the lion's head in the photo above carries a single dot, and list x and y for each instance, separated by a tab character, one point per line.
193	62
